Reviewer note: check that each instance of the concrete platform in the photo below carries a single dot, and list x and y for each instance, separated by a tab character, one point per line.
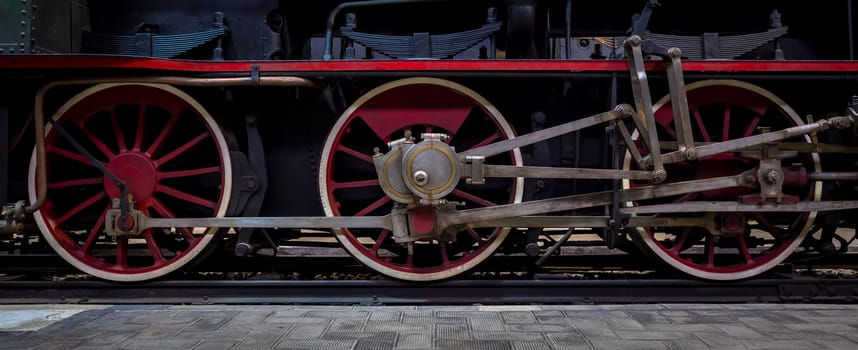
525	327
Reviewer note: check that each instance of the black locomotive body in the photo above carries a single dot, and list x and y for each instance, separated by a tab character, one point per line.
139	136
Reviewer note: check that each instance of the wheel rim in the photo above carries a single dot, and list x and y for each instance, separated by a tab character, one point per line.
349	185
169	151
720	110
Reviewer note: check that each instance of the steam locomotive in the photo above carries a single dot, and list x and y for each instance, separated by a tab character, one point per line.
136	137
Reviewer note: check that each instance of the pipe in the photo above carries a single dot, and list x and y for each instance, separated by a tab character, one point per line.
39	112
332	17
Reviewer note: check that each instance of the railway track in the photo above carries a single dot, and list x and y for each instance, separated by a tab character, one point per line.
387	292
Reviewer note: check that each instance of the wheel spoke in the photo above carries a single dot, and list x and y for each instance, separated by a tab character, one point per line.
187	197
665	124
97	142
117	130
76	182
353	153
379	241
182	149
153	247
93	234
725	133
375	205
710	251
355	184
476	236
185	173
122	252
467	196
743	248
442	248
680	241
138	138
702	126
166	131
70	155
77	209
751	126
775	231
162	210
488	140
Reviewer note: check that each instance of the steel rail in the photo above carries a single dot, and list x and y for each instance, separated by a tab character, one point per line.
386	292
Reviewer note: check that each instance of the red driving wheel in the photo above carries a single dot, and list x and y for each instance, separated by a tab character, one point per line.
174	160
747	244
349	185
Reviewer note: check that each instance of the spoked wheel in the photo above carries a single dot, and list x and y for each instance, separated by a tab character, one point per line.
174	160
349	185
737	245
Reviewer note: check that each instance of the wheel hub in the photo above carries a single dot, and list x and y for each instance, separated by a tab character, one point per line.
420	173
137	170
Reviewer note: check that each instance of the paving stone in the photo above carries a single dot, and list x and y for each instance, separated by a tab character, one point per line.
504	308
540	328
778	344
451	320
623	323
384	316
453	331
306	331
298	320
700	327
346	325
246	320
844	319
360	315
586	313
674	312
159	344
566	340
822	327
548	313
289	313
638	345
588	323
486	324
467	314
57	344
317	344
259	340
686	344
140	307
418	317
108	338
693	306
159	331
652	335
717	339
359	335
518	317
649	317
741	332
400	328
552	319
413	341
215	345
21	344
212	335
626	307
211	321
374	344
530	345
508	336
577	307
473	344
761	324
